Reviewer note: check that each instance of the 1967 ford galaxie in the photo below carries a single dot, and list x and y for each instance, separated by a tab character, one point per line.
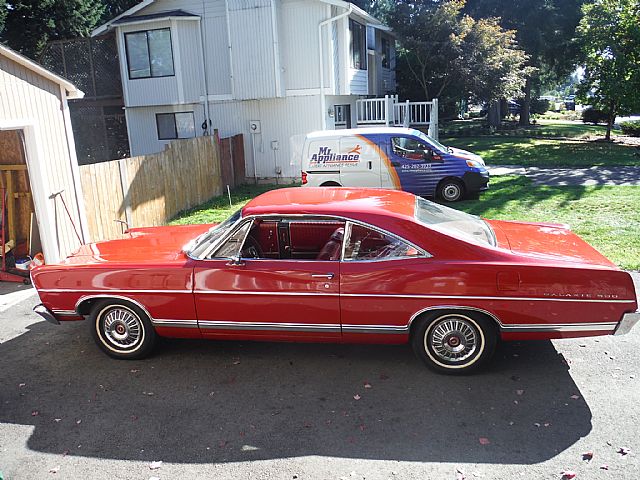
342	265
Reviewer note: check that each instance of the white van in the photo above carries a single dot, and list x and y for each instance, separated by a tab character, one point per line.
389	157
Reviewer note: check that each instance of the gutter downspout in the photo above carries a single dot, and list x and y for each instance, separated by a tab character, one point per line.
276	49
203	59
323	100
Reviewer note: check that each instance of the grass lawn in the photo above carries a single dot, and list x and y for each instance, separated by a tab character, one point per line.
564	145
606	217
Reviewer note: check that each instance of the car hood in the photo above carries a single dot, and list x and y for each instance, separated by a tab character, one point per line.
466	155
546	241
140	245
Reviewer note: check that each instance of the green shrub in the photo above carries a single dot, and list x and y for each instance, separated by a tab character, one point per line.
539	106
593	115
631	128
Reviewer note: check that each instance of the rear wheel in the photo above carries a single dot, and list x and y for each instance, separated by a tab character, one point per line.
121	329
454	342
450	190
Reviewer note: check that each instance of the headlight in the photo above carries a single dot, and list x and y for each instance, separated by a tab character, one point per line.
475	164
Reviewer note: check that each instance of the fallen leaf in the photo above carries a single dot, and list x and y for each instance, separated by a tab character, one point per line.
236	361
55	469
588	456
624	451
484	441
155	465
575	397
604	467
57	419
536	424
20	385
78	422
367	385
547	424
568	474
519	392
357	397
134	370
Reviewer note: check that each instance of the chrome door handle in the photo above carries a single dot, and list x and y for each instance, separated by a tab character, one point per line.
328	276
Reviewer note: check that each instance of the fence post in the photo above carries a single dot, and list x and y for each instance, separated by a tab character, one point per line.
126	200
433	119
386	110
407	115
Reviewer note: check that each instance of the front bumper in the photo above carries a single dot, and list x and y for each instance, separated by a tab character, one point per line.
45	313
627	323
475	181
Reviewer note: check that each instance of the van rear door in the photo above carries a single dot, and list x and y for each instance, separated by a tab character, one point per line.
361	163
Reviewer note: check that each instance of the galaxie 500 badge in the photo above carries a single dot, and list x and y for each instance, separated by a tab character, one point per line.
325	156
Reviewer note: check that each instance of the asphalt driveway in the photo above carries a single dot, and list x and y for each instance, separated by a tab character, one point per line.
285	411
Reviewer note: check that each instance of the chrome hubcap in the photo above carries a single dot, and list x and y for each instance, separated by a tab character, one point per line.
453	339
122	327
451	192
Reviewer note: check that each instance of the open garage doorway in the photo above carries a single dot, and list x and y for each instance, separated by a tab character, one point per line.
21	233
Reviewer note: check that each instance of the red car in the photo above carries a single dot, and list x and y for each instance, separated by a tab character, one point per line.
342	265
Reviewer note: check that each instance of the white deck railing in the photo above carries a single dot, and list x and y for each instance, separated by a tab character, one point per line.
390	112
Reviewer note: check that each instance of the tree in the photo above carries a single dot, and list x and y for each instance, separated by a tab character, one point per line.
30	24
545	30
609	36
445	53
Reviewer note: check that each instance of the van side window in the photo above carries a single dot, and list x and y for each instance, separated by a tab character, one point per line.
365	243
409	148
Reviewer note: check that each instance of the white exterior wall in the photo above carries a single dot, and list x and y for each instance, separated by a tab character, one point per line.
36	105
143	130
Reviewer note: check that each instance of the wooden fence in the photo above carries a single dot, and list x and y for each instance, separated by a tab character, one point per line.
149	190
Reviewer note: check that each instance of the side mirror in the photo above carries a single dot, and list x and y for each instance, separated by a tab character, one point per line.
236	262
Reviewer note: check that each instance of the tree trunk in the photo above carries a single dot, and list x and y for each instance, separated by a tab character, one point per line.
525	109
610	119
493	114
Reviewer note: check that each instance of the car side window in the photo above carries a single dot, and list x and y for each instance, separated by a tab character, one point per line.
364	243
409	148
231	247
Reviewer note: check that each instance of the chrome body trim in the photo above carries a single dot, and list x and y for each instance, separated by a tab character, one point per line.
107	291
45	313
478	297
561	327
278	294
380	329
310	327
66	313
118	297
453	307
627	323
175	323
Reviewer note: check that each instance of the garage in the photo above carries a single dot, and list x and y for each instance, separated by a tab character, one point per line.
42	209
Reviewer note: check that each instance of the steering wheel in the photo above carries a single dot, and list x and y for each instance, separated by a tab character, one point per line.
251	248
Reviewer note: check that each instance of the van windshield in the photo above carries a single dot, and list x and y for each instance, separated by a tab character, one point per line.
430	141
455	223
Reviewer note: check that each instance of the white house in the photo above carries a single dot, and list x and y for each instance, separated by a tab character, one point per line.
269	69
45	208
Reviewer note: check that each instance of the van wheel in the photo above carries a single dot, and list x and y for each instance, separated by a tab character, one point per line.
330	184
450	190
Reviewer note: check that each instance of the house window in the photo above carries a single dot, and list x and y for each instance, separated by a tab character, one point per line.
149	53
386	52
358	45
175	125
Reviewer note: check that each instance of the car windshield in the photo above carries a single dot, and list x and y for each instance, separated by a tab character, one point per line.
432	142
198	246
453	222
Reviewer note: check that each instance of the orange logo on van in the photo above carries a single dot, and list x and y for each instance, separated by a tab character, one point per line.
356	150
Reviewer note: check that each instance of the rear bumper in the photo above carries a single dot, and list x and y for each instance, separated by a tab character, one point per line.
45	313
627	323
475	181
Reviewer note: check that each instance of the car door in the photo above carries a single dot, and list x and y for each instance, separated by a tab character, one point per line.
377	272
360	163
417	165
256	286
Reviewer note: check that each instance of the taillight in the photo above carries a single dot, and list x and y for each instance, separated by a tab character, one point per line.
304	178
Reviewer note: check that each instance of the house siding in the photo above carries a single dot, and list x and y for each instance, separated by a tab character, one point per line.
28	97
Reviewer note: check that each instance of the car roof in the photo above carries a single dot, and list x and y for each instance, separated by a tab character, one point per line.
363	131
333	201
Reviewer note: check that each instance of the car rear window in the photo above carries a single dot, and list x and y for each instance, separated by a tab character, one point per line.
453	222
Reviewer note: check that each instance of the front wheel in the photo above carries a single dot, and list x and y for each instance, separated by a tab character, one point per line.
122	330
454	342
450	190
